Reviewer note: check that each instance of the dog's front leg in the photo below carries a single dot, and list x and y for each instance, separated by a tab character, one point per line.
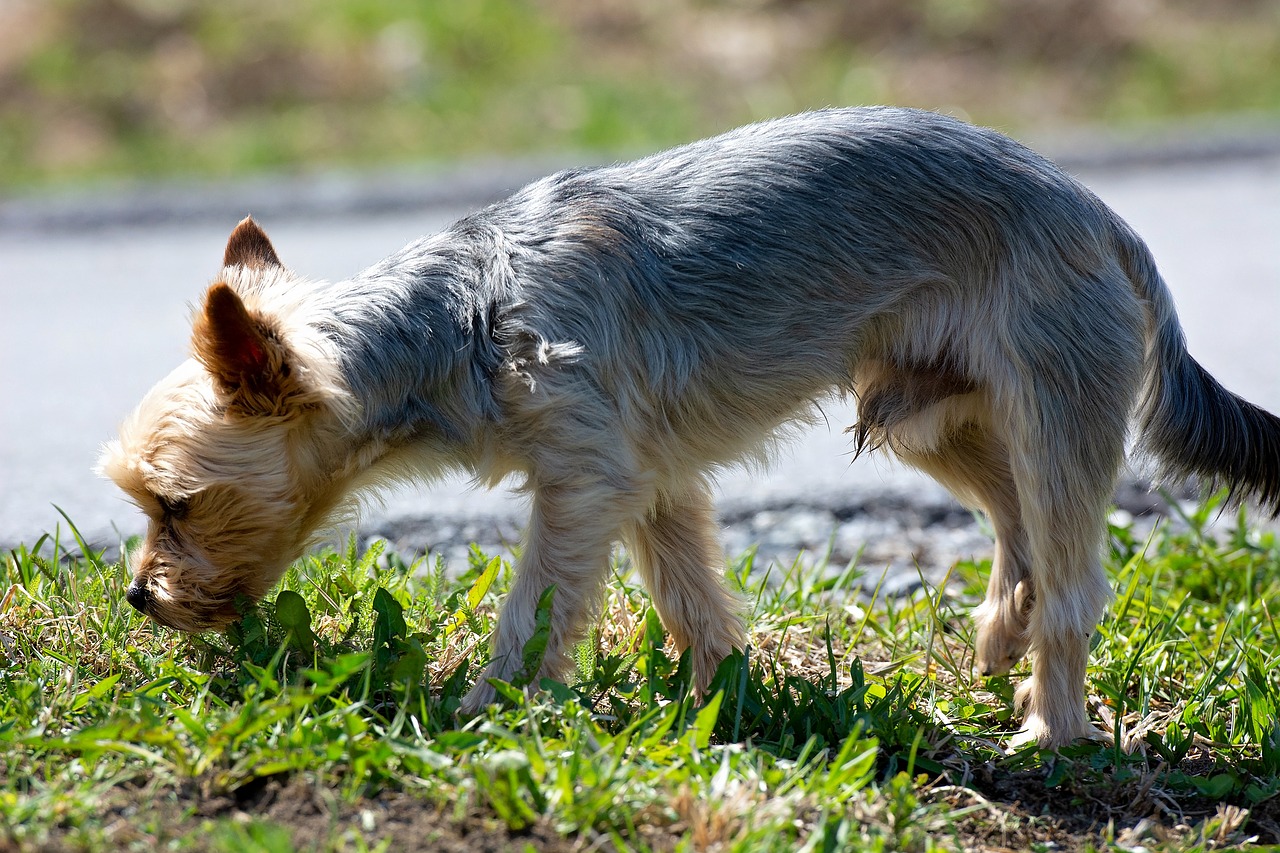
571	531
676	549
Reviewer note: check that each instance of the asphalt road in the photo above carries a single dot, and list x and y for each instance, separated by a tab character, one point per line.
90	319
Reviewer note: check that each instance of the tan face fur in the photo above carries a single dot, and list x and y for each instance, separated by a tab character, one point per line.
226	455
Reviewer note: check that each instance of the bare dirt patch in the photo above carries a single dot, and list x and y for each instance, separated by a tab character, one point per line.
314	817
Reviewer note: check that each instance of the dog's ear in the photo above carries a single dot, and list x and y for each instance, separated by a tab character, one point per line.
248	246
239	350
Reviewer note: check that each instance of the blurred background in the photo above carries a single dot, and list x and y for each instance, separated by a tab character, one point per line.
93	89
135	133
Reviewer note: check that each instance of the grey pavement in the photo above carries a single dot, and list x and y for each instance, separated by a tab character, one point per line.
93	312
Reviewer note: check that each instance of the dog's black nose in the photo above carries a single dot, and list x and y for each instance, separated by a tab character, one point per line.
139	596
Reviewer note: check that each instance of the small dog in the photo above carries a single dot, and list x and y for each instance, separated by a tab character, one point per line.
616	335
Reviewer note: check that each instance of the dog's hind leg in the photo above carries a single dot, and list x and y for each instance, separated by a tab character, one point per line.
1065	451
940	421
974	465
677	552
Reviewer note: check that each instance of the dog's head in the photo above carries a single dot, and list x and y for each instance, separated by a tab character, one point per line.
231	456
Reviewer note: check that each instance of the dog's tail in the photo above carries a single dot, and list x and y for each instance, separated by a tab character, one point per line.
1188	423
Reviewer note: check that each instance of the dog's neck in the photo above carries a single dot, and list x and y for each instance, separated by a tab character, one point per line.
414	341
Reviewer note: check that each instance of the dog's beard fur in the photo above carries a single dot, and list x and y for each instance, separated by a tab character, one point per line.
223	503
237	456
616	335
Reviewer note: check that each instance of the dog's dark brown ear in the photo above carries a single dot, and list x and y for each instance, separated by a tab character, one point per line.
237	349
248	246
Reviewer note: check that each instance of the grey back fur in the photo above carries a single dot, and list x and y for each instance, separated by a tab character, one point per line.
762	266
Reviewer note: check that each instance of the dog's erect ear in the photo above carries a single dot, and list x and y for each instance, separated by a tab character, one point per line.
248	246
237	349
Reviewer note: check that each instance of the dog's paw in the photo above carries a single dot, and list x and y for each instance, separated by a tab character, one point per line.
1001	642
996	654
706	660
1047	736
1051	724
477	699
1053	731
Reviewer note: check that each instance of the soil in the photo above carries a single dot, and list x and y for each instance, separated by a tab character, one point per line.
1023	811
1020	812
315	818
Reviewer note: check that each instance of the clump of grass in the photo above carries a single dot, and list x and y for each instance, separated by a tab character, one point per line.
326	717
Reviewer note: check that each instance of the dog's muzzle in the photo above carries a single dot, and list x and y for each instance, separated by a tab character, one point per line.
139	596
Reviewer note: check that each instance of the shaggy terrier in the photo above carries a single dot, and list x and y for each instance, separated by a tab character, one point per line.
617	335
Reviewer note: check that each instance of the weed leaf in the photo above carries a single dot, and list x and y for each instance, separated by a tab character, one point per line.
475	595
535	648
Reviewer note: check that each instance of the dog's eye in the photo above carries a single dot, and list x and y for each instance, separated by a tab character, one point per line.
173	507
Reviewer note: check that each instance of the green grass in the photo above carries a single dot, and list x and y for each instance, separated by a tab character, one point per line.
324	719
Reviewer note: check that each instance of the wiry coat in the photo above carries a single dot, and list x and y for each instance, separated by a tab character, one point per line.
617	334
